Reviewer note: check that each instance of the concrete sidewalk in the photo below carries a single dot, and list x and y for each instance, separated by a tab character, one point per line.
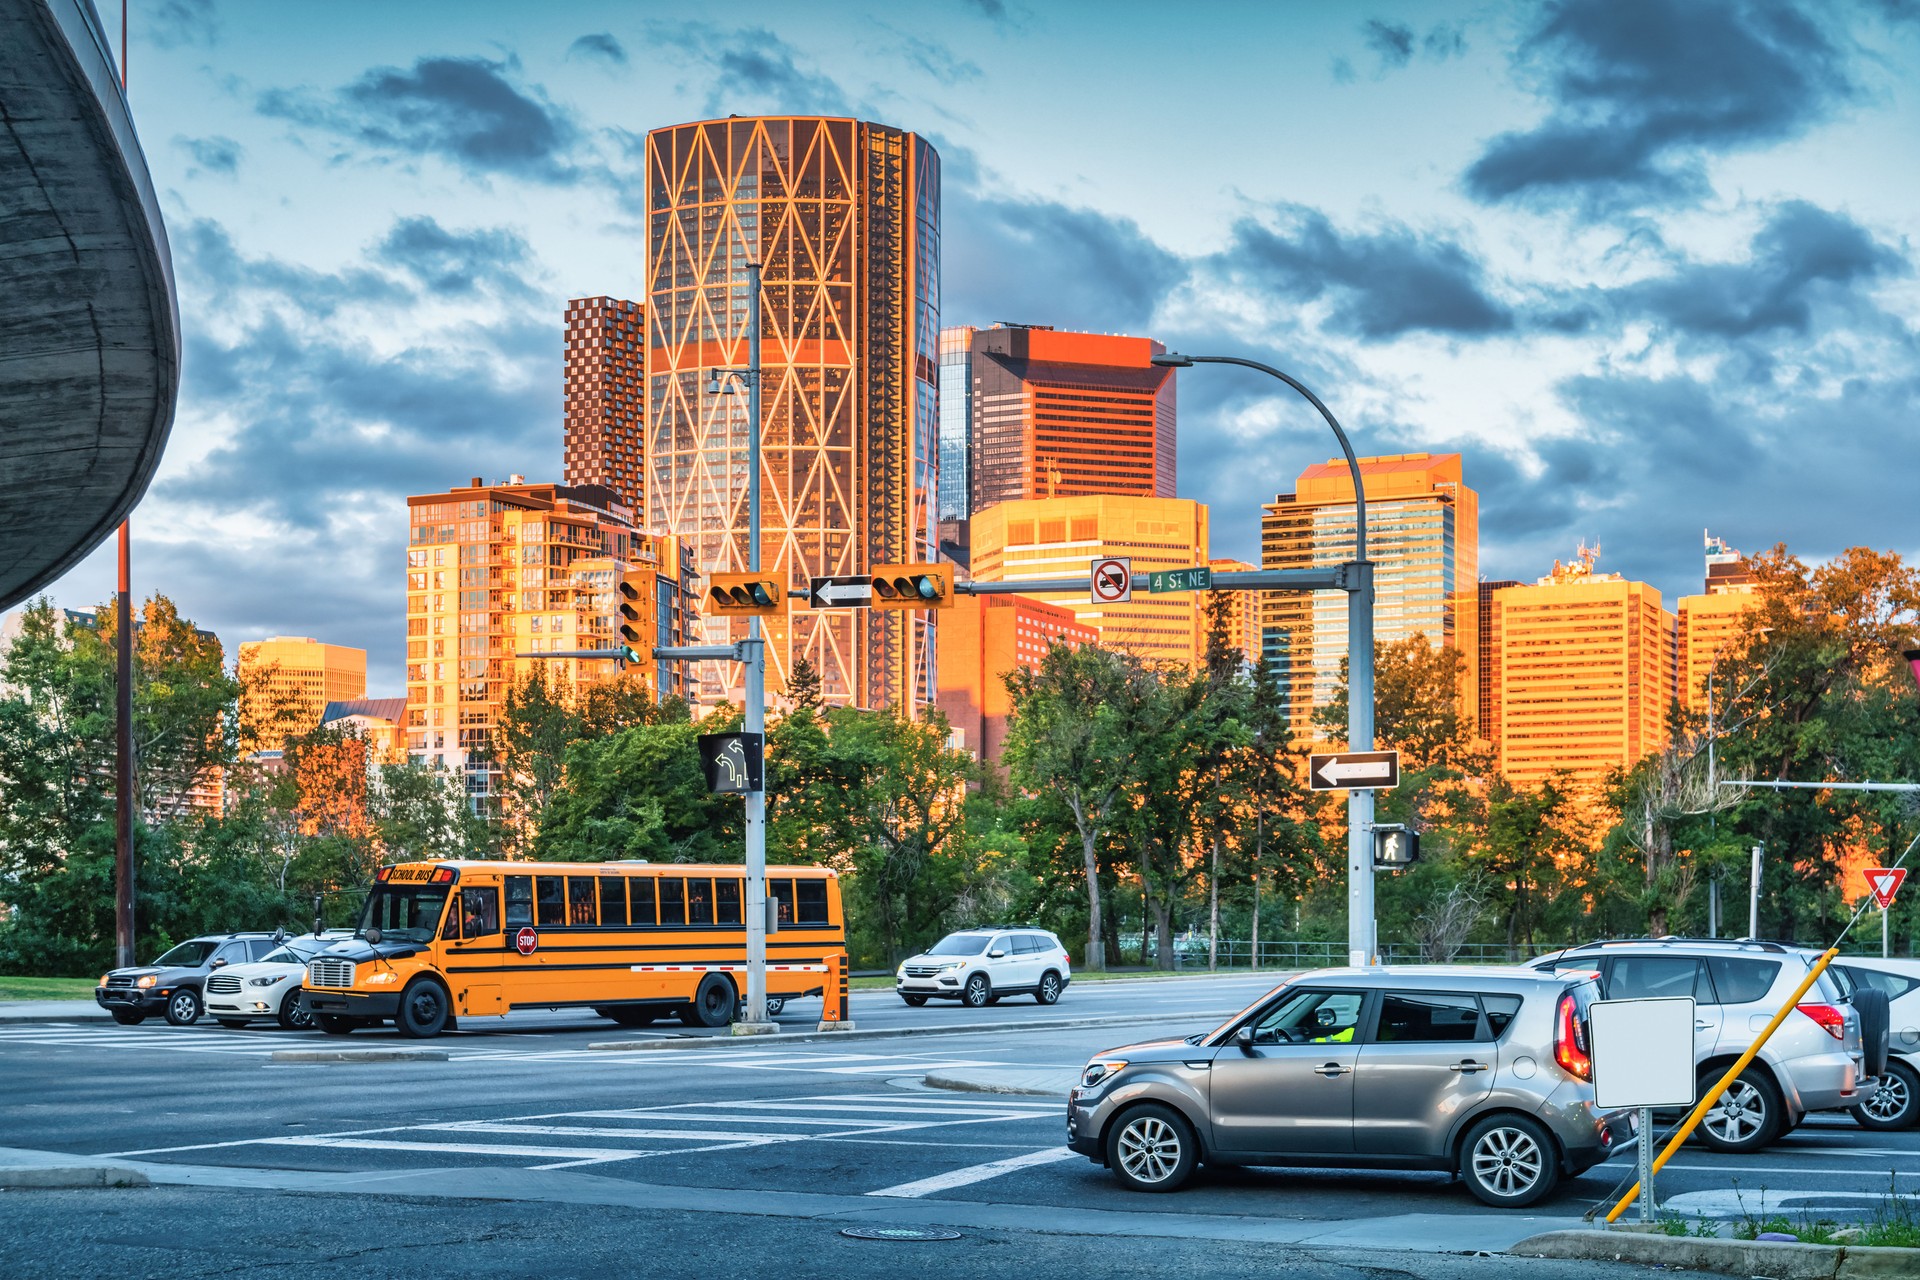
31	1011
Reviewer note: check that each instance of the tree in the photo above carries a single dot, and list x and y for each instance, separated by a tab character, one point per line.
1416	703
639	793
803	685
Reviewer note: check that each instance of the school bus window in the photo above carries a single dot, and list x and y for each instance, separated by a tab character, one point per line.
781	891
519	901
643	911
551	893
700	901
580	901
673	900
613	901
726	901
480	911
812	905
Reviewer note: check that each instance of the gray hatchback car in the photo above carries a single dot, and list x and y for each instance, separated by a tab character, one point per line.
1485	1071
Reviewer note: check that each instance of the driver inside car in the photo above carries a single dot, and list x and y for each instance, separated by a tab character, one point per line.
1326	1023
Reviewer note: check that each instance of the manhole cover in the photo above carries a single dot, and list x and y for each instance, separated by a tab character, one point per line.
899	1233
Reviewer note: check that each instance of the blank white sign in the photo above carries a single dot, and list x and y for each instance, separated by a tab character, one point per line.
1643	1053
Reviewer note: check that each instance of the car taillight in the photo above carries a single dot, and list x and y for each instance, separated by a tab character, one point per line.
1831	1020
1570	1040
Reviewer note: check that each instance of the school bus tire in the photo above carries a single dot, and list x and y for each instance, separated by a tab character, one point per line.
628	1015
335	1024
424	1009
714	1003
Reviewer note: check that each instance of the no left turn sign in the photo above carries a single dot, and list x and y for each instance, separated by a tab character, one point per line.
1113	580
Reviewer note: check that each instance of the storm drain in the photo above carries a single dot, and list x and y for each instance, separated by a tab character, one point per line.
900	1234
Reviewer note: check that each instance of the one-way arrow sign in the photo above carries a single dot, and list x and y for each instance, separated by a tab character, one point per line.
1354	771
1885	882
839	593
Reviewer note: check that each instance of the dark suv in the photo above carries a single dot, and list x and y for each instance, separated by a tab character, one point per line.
172	984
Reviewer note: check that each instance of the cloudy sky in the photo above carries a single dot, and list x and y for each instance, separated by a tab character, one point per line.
1648	263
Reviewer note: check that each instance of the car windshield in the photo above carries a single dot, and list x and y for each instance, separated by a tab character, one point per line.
188	954
959	944
405	913
292	953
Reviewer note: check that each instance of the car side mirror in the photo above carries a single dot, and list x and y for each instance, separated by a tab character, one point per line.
217	964
1244	1038
995	955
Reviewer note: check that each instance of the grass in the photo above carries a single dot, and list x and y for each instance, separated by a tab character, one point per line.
1893	1224
47	988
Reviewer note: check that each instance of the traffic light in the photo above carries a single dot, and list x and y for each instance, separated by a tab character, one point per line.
1395	848
745	595
627	654
913	586
631	619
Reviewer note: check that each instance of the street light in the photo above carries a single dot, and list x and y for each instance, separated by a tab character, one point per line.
1362	946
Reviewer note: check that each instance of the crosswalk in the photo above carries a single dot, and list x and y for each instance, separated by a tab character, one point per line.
199	1038
580	1139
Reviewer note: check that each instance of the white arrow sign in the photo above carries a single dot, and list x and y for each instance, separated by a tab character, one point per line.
1354	771
1336	772
839	593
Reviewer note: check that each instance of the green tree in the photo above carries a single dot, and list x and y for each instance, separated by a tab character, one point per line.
639	793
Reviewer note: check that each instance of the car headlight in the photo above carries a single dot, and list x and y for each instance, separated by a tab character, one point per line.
383	979
104	977
147	981
265	982
1099	1070
901	972
953	964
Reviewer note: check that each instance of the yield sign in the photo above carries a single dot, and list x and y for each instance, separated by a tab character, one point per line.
1885	882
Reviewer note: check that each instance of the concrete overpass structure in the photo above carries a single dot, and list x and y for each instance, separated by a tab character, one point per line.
89	326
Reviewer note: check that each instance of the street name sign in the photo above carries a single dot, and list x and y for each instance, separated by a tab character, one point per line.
1885	882
839	593
1113	580
1354	771
1197	579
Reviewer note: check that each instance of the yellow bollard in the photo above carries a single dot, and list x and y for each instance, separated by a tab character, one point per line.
836	1013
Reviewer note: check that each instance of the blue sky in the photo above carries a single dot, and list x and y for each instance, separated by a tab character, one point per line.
1650	264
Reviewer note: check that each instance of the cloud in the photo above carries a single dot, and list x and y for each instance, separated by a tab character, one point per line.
1392	41
750	70
601	47
213	155
991	10
1642	93
456	263
169	24
938	61
468	111
1443	42
1377	286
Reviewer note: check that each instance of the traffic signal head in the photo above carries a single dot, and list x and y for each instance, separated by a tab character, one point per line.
1395	848
745	595
627	654
913	586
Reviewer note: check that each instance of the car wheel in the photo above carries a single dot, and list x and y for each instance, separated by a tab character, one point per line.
183	1008
424	1007
1152	1148
1048	991
232	1024
1876	1024
915	1001
978	993
627	1017
713	1004
335	1024
127	1017
1509	1162
1746	1117
1897	1105
774	1005
293	1015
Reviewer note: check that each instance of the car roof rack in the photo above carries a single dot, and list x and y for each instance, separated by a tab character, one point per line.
1758	944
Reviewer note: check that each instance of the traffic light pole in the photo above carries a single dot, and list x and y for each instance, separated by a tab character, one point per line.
755	1021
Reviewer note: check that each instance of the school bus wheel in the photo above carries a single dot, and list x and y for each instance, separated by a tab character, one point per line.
423	1010
713	1004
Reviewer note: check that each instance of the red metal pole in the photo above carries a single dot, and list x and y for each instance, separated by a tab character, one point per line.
123	864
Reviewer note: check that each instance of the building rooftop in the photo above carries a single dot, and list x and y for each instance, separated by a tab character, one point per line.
375	708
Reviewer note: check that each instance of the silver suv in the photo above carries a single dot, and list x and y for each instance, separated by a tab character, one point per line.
1814	1062
1480	1070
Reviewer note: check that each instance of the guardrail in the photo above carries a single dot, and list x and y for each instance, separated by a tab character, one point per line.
1238	953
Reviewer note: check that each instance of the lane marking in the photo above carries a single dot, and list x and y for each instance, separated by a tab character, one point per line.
975	1173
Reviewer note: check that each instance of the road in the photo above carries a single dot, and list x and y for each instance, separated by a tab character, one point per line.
760	1139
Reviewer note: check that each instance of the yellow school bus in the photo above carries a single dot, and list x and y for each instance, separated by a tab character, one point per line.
633	941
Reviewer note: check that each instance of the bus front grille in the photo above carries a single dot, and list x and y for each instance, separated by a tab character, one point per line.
329	973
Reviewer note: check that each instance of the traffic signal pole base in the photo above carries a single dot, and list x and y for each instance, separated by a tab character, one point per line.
835	1026
756	1028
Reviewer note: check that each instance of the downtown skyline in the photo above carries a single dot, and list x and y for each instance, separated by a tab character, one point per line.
1709	322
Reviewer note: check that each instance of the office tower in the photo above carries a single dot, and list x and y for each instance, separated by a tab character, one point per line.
1714	625
1586	674
956	423
603	433
1486	661
1423	537
984	639
1246	611
844	217
1064	415
493	567
1062	537
287	681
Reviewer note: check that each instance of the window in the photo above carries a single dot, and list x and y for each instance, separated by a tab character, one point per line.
1025	944
1892	983
232	953
257	948
1427	1017
643	910
1650	977
1310	1016
811	901
480	911
580	901
726	901
1500	1011
519	901
781	891
700	901
613	901
1740	980
552	893
673	900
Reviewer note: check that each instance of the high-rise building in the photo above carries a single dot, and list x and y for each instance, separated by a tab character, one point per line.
984	639
1712	625
1246	610
1486	661
498	572
844	218
1423	537
1065	415
603	432
1586	674
1062	537
956	423
287	681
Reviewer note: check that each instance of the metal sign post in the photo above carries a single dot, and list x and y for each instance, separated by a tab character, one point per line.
1643	1058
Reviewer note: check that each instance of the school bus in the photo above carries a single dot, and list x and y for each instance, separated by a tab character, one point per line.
633	941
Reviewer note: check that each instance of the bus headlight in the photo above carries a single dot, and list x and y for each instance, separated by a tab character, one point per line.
383	979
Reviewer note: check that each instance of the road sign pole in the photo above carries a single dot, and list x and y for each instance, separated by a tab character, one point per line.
1362	945
755	1019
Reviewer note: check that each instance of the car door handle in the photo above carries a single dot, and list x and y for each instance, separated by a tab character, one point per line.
1331	1070
1468	1065
1703	1026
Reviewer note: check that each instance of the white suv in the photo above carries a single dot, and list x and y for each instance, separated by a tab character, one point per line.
1897	1105
978	966
269	988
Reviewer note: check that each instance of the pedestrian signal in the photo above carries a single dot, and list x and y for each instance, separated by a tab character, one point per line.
913	586
745	595
1395	848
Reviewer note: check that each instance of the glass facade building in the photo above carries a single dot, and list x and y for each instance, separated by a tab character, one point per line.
956	422
843	215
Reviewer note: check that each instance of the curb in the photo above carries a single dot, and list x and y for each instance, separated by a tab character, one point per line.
360	1055
879	1033
45	1019
961	1084
69	1177
1733	1257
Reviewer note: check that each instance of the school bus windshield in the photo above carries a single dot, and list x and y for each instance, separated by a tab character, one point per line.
407	913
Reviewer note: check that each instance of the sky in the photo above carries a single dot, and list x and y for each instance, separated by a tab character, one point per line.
1648	264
